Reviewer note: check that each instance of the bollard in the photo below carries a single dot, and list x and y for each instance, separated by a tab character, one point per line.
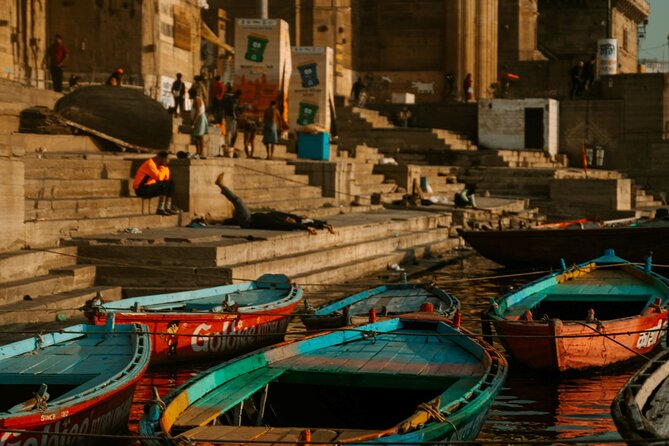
457	319
427	307
372	315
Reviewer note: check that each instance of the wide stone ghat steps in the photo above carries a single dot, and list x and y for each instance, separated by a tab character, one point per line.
39	286
187	258
75	194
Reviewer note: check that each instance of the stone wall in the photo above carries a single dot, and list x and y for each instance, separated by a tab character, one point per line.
101	36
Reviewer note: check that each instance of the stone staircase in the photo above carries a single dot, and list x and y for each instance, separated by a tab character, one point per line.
73	188
185	258
521	158
15	97
42	286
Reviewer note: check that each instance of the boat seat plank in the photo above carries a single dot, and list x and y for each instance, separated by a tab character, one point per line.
526	304
241	433
226	397
271	434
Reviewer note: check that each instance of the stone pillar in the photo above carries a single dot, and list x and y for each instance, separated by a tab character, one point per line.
460	24
486	47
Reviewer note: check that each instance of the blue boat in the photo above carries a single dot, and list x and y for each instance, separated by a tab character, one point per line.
384	300
398	381
61	387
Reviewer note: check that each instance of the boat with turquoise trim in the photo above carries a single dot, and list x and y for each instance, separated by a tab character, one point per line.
58	388
204	324
386	301
596	314
399	381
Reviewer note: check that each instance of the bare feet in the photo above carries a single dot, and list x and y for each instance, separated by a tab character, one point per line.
219	181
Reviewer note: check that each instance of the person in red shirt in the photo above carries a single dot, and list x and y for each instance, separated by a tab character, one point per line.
55	58
216	93
153	180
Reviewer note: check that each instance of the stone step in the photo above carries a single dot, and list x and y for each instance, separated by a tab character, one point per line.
383	188
251	245
53	188
51	232
57	281
26	264
314	280
499	172
303	204
254	166
245	180
278	193
56	143
54	307
295	264
78	169
95	207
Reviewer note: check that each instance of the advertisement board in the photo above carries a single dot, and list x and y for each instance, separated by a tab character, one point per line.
311	87
607	56
262	63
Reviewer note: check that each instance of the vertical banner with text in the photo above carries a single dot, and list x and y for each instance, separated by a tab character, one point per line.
262	62
311	87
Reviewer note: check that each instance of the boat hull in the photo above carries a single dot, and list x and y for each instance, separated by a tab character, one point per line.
545	247
178	337
559	347
105	415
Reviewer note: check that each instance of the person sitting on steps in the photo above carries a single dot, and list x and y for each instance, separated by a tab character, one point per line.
153	180
272	220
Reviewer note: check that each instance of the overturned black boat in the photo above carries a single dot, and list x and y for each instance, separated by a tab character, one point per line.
124	116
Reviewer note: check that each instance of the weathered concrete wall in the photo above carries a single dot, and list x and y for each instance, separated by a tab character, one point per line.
195	190
23	40
594	195
427	86
502	123
101	36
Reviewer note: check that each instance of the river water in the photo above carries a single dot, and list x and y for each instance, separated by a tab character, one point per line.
531	406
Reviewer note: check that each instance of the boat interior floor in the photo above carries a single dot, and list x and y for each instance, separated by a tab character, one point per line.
272	434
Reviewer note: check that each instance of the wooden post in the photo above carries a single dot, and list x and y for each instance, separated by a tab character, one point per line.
263	403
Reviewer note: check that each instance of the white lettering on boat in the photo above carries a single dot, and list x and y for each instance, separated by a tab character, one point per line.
107	422
206	341
651	337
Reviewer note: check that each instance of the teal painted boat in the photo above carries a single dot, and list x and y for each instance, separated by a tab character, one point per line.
78	381
593	315
385	300
398	381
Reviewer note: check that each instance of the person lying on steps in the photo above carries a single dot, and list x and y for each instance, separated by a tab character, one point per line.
272	220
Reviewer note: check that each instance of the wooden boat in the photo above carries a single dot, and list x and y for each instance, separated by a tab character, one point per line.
545	247
641	408
596	314
79	380
211	322
384	300
124	116
401	380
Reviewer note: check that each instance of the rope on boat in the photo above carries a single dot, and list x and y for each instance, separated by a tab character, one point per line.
161	440
368	334
596	330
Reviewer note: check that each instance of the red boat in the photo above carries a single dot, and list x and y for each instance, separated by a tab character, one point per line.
64	386
214	322
596	314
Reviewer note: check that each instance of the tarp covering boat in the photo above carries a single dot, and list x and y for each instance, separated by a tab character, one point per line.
125	116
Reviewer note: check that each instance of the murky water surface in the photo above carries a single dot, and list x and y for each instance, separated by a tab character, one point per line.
532	405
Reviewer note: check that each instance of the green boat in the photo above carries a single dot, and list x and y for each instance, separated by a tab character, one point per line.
400	381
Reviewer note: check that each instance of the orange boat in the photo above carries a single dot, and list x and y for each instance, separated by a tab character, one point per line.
596	314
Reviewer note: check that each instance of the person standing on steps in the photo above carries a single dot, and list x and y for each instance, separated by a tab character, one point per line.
179	94
200	127
272	122
468	87
54	58
153	179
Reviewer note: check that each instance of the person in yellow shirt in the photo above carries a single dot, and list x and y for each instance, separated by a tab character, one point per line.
153	180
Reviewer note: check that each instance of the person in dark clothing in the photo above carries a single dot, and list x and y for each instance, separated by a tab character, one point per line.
576	79
179	94
589	72
358	87
272	220
216	92
116	78
230	106
55	58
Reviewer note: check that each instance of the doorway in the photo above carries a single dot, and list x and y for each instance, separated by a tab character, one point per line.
534	128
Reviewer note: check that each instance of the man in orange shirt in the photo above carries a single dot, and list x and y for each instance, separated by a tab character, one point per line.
153	180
